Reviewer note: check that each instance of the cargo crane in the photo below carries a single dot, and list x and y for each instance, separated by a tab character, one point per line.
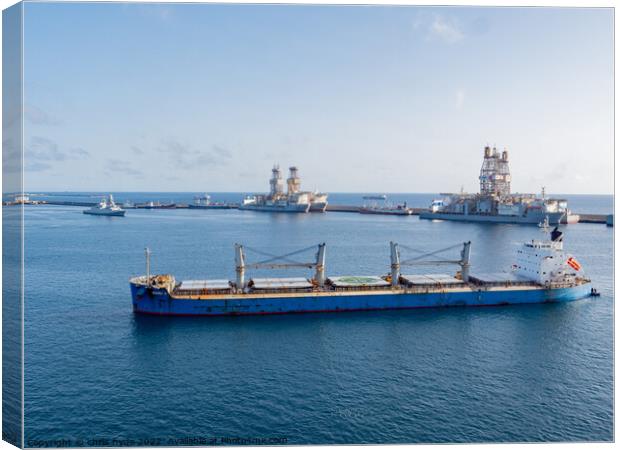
319	263
396	262
271	263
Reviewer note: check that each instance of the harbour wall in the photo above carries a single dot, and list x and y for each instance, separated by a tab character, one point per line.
583	218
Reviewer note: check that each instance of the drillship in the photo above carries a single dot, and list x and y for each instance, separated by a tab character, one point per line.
318	200
495	202
295	200
542	273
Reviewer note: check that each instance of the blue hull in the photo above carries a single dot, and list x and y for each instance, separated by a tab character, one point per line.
158	302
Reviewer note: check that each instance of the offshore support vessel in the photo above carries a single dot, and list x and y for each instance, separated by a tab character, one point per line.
294	200
495	203
542	273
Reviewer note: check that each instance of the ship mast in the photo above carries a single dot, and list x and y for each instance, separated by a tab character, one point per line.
421	260
240	267
147	253
395	263
279	262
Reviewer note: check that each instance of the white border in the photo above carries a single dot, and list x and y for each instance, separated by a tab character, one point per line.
549	3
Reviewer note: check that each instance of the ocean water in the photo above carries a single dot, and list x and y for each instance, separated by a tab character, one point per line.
95	372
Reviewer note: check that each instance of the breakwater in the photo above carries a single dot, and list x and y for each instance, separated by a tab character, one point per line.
583	218
356	209
593	218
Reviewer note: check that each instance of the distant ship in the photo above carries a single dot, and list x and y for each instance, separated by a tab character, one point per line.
375	197
318	202
22	199
204	202
394	210
495	203
155	205
106	208
385	207
294	200
297	204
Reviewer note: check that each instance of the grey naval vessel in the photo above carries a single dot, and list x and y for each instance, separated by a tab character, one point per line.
106	207
496	203
294	200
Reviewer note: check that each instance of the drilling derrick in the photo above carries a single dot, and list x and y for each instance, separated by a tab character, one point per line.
293	182
495	173
276	183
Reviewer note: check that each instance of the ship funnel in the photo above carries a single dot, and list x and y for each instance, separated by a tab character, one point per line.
319	275
465	261
395	263
556	235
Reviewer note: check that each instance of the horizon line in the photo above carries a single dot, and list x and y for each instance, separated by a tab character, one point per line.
253	192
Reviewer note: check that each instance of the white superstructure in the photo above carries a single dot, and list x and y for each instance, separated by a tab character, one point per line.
545	262
202	200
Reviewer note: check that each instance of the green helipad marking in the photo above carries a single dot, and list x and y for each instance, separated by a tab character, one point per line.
358	280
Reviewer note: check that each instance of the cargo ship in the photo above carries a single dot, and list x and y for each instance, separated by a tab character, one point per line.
375	197
387	208
542	273
22	199
204	202
155	205
495	203
294	200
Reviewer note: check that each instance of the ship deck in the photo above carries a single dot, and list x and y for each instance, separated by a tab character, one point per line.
350	285
344	293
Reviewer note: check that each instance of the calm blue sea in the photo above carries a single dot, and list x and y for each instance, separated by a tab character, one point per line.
95	372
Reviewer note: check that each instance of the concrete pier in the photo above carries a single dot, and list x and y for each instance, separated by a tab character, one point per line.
592	218
583	218
356	209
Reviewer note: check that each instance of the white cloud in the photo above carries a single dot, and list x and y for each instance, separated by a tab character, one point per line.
445	29
157	10
37	116
438	27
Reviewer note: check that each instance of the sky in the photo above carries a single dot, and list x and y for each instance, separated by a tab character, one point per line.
198	97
